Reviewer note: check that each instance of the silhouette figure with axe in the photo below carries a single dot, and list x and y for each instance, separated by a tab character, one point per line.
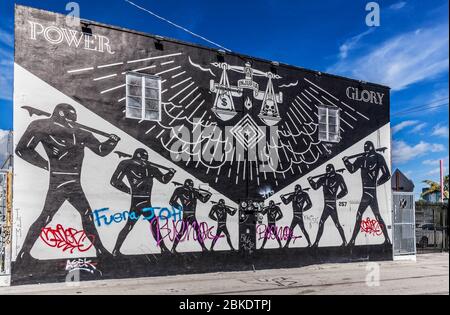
332	182
64	141
371	165
139	173
300	202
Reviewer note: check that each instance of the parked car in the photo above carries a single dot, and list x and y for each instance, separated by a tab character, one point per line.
428	235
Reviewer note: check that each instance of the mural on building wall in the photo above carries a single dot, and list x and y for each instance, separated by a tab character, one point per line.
231	128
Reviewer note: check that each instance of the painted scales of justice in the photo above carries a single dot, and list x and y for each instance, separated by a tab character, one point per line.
224	104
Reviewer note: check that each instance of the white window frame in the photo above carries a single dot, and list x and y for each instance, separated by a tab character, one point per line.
327	124
143	96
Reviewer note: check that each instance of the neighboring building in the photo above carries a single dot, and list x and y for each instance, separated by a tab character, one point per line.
434	197
400	182
105	116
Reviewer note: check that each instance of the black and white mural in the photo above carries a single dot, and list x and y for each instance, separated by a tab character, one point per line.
137	155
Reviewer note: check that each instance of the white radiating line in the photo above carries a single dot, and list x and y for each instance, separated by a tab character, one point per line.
179	83
355	111
199	121
167	62
188	105
319	150
110	65
178	74
80	70
347	123
159	135
144	68
306	131
192	114
190	93
328	101
293	123
150	129
351	116
112	89
287	126
306	97
164	91
245	167
296	117
175	118
163	81
322	89
169	70
251	170
153	58
362	115
304	119
105	77
192	83
341	129
313	96
348	106
304	103
121	100
313	90
306	113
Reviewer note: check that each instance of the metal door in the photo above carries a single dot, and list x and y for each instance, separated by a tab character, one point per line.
404	236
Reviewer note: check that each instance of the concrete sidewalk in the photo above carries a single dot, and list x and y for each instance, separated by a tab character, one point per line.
428	275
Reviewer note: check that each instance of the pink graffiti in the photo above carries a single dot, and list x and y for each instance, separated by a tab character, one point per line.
371	227
67	239
284	233
171	228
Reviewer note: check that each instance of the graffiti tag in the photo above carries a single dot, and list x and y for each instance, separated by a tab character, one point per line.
271	232
371	227
170	229
246	243
161	213
67	239
82	264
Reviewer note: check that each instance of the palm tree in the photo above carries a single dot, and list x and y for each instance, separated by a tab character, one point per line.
436	187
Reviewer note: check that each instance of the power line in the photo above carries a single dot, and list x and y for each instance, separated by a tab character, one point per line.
177	26
424	108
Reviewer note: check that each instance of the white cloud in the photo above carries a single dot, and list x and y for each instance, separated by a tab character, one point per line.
440	131
352	43
434	162
403	125
402	152
6	71
7	38
402	60
419	128
398	5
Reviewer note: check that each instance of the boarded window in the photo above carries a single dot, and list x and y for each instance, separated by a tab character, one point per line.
329	129
143	97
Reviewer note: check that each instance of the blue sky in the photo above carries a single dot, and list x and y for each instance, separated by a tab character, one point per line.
408	52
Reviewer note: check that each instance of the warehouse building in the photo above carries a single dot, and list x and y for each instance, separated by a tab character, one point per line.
138	155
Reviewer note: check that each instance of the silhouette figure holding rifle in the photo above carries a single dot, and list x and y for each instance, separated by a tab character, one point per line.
139	173
333	188
64	141
371	164
185	198
219	212
300	202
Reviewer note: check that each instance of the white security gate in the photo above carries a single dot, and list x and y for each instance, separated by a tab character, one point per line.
404	236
